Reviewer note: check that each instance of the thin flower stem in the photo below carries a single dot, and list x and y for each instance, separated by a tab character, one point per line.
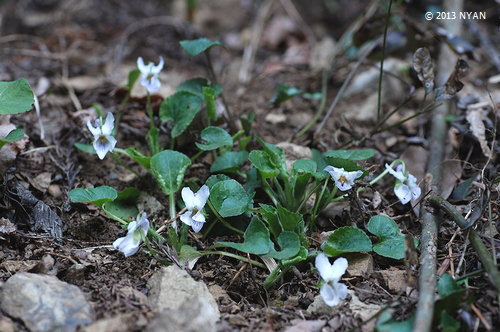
324	80
173	214
214	77
193	158
121	163
228	254
381	175
269	191
275	275
224	222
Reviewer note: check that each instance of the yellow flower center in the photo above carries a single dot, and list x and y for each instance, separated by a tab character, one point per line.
342	180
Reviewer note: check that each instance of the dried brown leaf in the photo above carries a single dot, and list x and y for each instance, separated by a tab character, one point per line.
422	63
453	84
475	118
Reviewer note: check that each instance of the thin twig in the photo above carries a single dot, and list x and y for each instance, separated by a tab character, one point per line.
362	57
427	279
251	48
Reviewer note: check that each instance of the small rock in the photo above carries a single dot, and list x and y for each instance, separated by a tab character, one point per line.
275	118
294	152
75	274
395	280
360	264
44	303
7	325
175	290
55	190
194	314
119	323
319	307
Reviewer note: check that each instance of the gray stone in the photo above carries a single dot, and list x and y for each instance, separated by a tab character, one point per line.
44	303
184	303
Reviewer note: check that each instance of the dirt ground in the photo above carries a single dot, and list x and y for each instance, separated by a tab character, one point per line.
78	53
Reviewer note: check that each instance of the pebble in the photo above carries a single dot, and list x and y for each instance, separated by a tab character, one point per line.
44	303
184	303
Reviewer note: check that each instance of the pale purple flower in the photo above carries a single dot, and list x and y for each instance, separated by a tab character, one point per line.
343	180
332	291
149	74
137	231
103	141
194	205
406	187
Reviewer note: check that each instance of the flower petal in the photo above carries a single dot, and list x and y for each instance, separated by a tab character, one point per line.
127	245
186	218
403	192
397	175
329	295
189	198
198	217
141	66
144	223
96	131
107	127
324	267
343	186
339	267
103	147
201	197
153	85
351	176
197	226
156	69
340	290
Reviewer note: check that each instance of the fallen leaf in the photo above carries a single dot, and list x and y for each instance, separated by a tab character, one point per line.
475	118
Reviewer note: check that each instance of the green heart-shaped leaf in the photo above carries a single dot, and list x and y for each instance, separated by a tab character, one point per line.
229	161
169	167
256	239
15	97
391	242
351	154
289	243
229	198
262	161
196	85
197	46
124	206
347	239
215	138
14	136
181	108
97	196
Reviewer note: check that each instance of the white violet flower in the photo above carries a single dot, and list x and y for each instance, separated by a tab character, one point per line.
332	291
194	204
149	74
406	187
137	231
103	141
343	180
